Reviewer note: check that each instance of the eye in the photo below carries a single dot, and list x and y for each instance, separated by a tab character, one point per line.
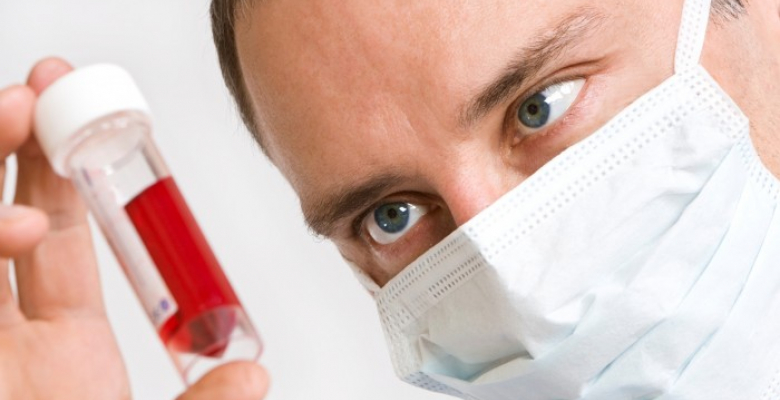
388	222
546	106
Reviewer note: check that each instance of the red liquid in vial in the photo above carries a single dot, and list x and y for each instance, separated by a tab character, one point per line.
188	267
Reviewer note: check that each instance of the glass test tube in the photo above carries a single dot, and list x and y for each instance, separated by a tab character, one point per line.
117	169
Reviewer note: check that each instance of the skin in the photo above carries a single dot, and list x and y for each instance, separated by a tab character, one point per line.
59	319
344	92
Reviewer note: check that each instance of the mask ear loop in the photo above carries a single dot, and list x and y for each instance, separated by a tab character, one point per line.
693	30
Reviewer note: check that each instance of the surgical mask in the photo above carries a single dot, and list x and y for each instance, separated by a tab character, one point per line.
641	263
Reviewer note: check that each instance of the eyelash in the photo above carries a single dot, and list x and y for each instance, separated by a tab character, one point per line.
356	226
510	124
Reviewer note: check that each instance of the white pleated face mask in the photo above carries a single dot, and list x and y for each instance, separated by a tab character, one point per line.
641	263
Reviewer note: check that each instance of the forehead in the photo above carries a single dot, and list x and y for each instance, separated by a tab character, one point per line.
351	87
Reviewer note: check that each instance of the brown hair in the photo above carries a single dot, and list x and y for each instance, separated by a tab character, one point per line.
225	14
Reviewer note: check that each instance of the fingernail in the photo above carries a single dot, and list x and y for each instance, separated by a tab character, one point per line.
11	213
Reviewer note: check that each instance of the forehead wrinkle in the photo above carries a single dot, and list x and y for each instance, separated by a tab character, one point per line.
543	49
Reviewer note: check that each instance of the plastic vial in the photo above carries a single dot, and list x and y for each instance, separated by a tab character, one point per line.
94	126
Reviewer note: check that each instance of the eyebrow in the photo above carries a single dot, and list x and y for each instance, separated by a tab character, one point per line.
324	216
529	60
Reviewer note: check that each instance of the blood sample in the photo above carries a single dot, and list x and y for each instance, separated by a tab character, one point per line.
188	267
94	126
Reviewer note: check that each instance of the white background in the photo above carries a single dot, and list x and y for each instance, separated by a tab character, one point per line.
322	336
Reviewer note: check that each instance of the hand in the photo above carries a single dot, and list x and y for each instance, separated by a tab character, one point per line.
234	381
55	341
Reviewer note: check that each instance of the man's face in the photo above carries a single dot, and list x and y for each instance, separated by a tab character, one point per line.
396	122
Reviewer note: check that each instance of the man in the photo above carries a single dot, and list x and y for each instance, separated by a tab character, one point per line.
398	123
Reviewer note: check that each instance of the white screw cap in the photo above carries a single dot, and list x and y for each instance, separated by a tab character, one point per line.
81	97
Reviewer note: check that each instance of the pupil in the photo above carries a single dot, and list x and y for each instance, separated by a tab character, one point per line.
392	213
533	109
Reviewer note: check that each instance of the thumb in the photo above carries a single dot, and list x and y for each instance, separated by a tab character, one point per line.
235	381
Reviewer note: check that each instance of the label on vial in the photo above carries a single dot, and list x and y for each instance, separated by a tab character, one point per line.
149	286
154	295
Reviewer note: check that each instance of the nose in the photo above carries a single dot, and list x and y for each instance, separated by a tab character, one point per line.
469	193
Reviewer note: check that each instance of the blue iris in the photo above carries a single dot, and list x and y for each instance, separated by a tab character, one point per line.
534	112
393	217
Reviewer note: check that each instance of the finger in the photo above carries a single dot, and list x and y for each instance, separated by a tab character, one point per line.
235	381
60	275
16	111
6	296
20	227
